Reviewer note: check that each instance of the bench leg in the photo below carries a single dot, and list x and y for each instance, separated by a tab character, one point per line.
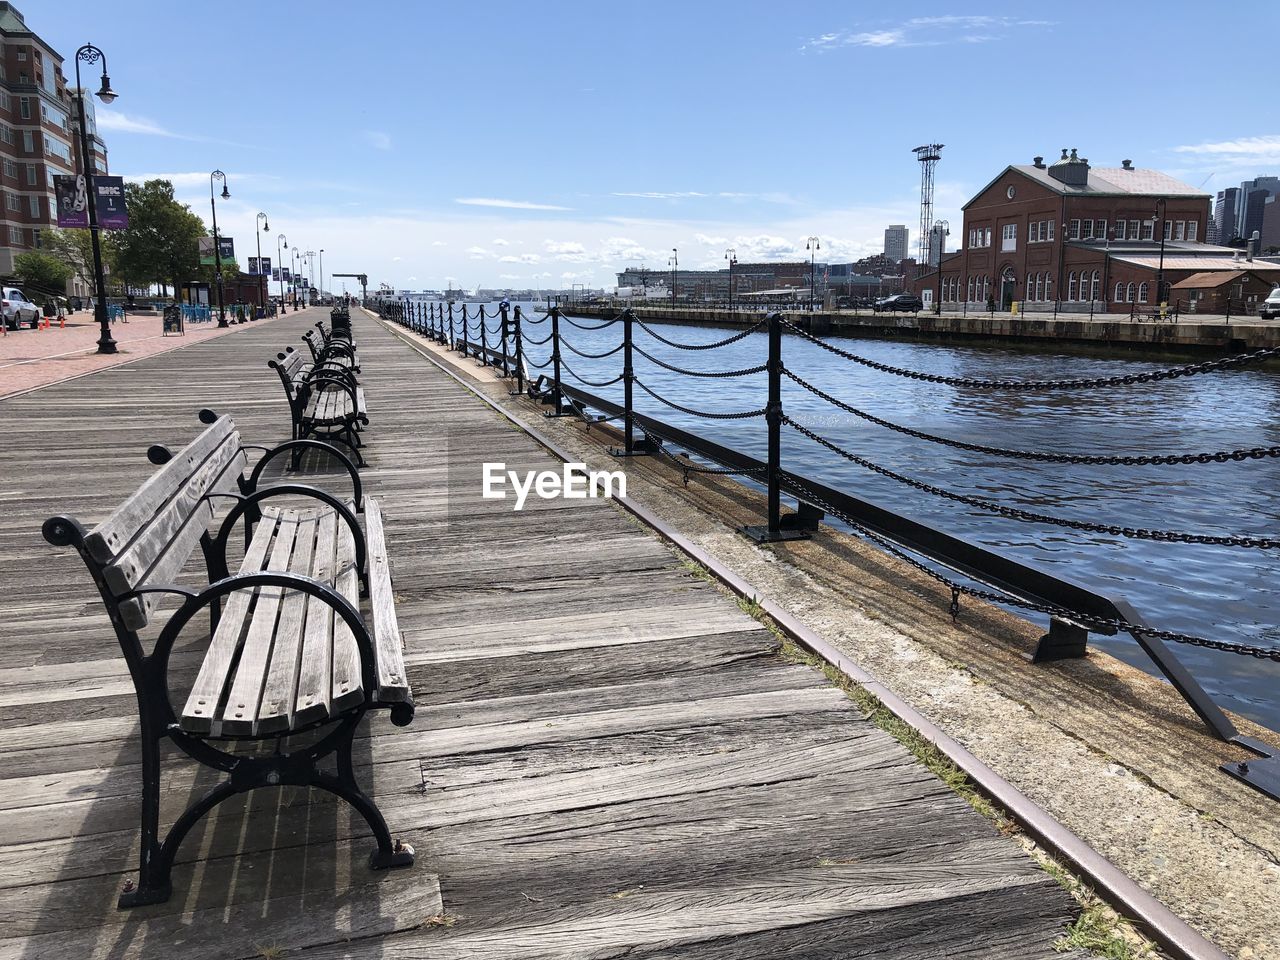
389	852
153	878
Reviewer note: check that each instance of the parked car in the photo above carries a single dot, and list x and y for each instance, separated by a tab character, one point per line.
17	309
1269	309
900	302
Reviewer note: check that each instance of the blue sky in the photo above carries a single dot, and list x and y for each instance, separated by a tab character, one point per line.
514	143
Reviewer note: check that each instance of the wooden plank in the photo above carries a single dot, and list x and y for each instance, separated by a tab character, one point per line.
393	681
348	685
315	672
204	703
281	689
244	696
111	536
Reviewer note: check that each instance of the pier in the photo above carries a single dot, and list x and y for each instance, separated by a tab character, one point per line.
610	755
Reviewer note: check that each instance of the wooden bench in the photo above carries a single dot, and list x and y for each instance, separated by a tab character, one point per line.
334	351
323	403
289	649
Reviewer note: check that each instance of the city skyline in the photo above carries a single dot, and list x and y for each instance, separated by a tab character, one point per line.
543	156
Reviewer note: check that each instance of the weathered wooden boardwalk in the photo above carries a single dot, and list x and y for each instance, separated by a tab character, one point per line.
608	759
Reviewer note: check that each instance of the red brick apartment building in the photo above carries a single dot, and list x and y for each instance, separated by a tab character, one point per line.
39	128
1080	237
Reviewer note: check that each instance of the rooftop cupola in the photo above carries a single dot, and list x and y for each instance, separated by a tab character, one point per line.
1073	170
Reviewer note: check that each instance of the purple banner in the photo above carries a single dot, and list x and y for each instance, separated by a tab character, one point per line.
73	202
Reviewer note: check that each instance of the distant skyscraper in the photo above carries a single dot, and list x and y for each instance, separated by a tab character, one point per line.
895	242
1250	204
1224	214
937	244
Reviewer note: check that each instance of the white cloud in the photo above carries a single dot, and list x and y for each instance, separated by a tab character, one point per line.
478	253
395	259
923	32
118	122
438	243
378	139
655	195
522	258
506	204
501	243
1263	149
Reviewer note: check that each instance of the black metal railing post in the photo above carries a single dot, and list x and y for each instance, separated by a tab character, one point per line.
503	310
519	354
484	339
452	338
628	382
555	362
466	332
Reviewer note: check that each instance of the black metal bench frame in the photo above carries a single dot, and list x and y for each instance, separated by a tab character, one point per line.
149	672
299	395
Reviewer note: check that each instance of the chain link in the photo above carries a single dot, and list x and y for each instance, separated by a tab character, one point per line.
590	383
590	356
1221	456
746	372
1092	383
583	326
1013	513
536	343
997	595
700	346
738	415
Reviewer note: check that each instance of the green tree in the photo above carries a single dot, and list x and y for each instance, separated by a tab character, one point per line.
74	247
41	273
159	245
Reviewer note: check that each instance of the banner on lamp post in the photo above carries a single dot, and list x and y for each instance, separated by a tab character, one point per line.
275	273
72	196
264	266
205	246
253	266
226	248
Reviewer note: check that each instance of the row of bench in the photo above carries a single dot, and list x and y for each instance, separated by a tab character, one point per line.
302	636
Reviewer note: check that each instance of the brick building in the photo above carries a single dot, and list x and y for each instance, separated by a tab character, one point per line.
39	129
1077	237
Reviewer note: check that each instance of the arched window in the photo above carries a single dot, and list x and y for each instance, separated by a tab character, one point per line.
1142	292
1071	285
1128	293
969	291
1119	298
1096	290
1048	285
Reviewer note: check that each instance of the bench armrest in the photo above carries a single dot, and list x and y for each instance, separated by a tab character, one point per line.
250	486
248	507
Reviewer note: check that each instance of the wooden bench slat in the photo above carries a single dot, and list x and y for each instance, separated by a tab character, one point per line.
348	688
281	689
205	699
245	693
393	684
153	536
113	535
315	675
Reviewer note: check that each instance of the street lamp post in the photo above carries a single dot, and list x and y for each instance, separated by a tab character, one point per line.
280	266
1161	213
675	268
91	54
311	270
813	245
293	262
262	284
217	251
942	230
322	274
732	256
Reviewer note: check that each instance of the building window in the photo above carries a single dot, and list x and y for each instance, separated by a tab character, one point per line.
15	236
28	141
35	205
31	174
12	201
1119	297
1100	229
1096	290
1009	237
1071	285
1050	222
22	56
1073	230
1120	225
1148	229
1180	230
1142	291
24	108
968	292
1134	232
10	169
1128	293
36	240
1168	229
1193	230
